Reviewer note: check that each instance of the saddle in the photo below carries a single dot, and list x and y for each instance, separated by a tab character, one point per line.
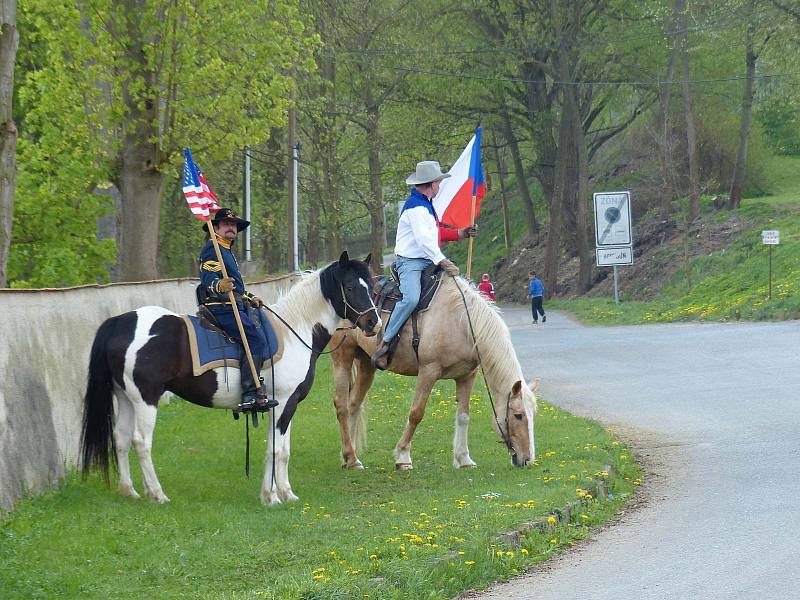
388	293
211	347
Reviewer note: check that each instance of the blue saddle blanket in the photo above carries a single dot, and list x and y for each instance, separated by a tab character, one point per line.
211	350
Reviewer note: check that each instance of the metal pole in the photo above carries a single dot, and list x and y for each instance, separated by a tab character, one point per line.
770	271
616	289
247	248
295	169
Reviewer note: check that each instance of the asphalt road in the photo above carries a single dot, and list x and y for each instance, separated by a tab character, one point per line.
713	411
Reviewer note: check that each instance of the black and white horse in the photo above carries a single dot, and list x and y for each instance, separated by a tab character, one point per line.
139	355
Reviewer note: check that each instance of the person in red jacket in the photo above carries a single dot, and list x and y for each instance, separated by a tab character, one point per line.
486	287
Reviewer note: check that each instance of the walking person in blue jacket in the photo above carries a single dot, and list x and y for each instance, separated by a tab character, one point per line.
536	294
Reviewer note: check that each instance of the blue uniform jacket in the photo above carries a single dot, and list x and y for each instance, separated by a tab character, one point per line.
211	272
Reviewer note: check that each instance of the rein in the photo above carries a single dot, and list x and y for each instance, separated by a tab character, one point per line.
353	326
503	434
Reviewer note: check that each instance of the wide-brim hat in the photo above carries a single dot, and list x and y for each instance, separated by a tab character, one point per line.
226	214
427	171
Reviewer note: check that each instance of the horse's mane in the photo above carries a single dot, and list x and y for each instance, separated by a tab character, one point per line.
491	333
302	302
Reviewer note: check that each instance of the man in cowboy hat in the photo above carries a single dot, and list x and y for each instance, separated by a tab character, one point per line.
226	226
416	248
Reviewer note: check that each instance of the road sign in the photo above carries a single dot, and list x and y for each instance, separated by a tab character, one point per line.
620	255
771	237
612	219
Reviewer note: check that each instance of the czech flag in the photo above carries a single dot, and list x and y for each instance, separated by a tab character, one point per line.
453	203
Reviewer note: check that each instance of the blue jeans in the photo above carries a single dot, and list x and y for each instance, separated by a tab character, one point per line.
410	271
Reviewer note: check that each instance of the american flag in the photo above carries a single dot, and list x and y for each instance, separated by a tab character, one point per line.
202	201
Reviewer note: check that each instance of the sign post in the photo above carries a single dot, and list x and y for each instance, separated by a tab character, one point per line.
613	237
770	237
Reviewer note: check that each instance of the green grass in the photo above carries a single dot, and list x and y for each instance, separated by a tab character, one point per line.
377	533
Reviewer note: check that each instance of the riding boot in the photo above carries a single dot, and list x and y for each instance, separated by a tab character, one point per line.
253	398
384	352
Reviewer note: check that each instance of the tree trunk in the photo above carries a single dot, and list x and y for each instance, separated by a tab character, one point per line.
691	142
519	172
140	184
735	199
375	203
313	237
665	95
503	199
9	40
552	256
581	195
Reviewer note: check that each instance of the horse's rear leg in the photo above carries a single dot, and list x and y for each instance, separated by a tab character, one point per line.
145	413
425	380
461	457
143	442
123	436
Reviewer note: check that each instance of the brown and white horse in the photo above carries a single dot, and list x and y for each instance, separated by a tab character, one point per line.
139	355
447	350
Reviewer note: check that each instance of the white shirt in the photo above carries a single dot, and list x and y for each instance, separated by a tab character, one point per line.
418	235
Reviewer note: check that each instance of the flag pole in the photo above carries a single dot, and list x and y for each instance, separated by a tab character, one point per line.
232	297
469	246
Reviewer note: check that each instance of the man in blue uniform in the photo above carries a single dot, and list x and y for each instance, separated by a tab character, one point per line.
227	225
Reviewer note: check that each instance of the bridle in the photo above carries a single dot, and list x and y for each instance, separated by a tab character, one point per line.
355	310
353	326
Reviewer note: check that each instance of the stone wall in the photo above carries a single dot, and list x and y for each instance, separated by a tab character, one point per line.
45	339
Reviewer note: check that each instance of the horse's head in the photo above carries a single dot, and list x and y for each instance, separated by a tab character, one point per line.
515	413
346	285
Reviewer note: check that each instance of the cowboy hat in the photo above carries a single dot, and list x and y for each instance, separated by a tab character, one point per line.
226	214
427	171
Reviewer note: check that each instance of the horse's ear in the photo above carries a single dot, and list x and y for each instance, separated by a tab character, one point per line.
344	260
368	260
534	385
516	388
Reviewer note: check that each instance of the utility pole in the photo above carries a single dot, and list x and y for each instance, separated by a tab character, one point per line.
295	204
291	255
248	256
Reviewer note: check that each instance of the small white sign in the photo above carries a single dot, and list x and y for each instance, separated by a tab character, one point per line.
771	237
612	219
621	255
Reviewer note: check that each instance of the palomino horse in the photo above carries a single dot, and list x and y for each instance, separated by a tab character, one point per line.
447	350
138	355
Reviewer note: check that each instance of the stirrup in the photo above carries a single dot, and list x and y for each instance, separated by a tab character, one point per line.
384	351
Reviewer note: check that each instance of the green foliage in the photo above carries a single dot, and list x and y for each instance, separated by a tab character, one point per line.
60	163
376	533
780	121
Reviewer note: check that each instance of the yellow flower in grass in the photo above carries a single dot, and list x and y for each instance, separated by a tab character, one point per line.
524	551
551	520
469	563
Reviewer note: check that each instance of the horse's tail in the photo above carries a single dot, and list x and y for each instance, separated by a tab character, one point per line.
98	406
358	425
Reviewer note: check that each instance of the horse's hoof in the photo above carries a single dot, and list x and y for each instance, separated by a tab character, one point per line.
403	466
288	496
464	463
354	465
160	497
270	498
128	492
